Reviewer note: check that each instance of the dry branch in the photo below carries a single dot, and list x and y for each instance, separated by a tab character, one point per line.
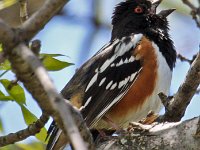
29	70
164	136
23	134
195	12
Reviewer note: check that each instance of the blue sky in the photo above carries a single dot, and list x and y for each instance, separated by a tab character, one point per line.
69	37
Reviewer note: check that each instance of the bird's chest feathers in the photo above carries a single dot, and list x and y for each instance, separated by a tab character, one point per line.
154	77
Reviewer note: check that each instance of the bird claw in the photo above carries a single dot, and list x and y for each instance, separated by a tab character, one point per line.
150	118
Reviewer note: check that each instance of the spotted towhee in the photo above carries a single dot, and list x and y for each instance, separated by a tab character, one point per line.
121	82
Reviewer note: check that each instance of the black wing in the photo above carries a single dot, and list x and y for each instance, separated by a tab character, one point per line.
111	74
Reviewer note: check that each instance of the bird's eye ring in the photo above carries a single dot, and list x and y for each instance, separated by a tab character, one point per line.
138	10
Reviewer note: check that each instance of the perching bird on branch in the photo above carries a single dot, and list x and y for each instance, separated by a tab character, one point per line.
121	82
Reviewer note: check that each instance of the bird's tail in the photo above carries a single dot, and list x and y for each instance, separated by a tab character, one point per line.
57	140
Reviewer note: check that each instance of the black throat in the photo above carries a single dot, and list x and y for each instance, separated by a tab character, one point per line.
166	46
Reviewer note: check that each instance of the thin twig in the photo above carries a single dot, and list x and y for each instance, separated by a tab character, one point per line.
195	12
184	59
40	18
189	4
35	47
32	129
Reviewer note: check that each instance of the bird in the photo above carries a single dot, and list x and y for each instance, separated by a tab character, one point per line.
121	82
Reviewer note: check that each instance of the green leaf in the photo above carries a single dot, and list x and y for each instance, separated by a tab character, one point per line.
1	126
15	91
51	55
30	118
5	65
53	64
42	135
1	47
3	97
7	3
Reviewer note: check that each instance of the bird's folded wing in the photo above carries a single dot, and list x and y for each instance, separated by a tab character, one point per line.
110	76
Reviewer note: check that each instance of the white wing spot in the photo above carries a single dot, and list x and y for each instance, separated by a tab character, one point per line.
92	81
120	63
126	61
102	81
106	64
112	65
113	86
131	59
88	101
109	84
132	76
121	83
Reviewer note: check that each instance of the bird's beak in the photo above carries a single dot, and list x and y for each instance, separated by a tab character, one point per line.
155	4
165	13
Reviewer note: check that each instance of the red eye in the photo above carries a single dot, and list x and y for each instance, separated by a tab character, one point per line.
138	10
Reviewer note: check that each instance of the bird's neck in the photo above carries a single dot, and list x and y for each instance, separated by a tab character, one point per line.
166	46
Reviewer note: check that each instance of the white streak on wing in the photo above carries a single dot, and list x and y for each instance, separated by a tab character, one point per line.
102	81
92	81
123	48
131	59
120	63
106	64
126	80
126	61
55	139
112	65
120	50
109	84
88	101
113	86
121	83
133	76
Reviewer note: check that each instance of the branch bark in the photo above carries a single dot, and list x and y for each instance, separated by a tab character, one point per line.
195	12
165	136
23	134
29	70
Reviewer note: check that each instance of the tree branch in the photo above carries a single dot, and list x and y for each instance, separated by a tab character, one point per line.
40	18
165	136
195	11
23	134
29	70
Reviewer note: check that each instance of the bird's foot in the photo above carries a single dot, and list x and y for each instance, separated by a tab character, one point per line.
150	118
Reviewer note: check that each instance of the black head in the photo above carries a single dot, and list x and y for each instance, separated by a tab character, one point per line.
138	16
